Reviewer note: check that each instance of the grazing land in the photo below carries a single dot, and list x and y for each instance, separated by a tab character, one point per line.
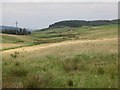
81	57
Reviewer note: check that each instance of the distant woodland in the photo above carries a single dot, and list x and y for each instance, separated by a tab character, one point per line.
17	31
78	23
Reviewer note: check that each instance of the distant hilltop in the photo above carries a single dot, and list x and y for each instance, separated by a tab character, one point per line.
14	30
78	23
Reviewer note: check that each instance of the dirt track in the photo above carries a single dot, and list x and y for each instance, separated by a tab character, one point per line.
36	47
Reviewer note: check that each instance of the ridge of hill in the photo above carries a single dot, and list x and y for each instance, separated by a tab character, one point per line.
78	23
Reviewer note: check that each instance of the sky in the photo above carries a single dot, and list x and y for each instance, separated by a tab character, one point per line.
60	0
37	15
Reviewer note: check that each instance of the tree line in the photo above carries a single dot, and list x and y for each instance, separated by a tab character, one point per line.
17	31
78	23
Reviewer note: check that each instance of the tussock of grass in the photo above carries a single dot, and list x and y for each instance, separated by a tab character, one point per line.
37	81
19	70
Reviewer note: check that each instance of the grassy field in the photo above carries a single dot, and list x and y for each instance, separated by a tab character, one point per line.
62	57
58	35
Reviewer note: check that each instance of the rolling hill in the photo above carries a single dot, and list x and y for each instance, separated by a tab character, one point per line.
78	23
64	57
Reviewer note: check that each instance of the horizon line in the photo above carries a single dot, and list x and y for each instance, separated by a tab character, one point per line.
65	20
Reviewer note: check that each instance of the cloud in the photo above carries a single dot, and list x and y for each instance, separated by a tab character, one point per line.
60	0
39	15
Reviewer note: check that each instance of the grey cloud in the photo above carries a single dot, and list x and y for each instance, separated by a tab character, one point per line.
39	15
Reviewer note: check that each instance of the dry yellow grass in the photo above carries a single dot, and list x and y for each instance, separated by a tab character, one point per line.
66	48
37	47
9	45
54	59
91	62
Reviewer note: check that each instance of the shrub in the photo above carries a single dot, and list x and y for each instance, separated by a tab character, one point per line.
15	54
20	41
100	70
70	83
5	63
17	63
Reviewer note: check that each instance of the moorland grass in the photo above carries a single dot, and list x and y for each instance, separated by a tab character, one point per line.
90	64
82	65
53	35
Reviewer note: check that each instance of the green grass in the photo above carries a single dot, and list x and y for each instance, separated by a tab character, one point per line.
54	35
58	72
85	32
79	65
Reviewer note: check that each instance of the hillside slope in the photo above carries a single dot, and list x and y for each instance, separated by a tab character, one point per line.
80	57
53	35
87	63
